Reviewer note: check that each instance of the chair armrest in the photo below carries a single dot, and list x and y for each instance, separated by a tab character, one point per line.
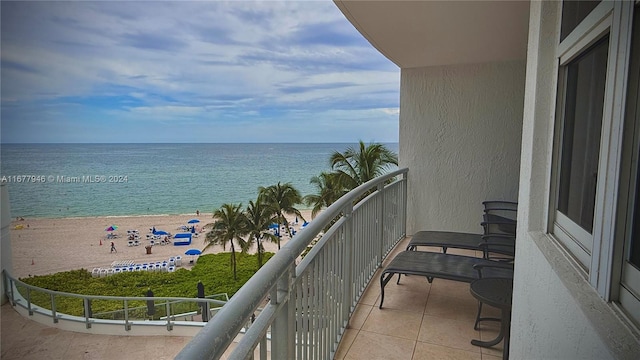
500	204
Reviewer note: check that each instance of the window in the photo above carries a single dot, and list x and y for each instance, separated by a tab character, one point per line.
595	199
581	135
580	109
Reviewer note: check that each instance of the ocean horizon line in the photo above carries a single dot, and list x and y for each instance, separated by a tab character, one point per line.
195	143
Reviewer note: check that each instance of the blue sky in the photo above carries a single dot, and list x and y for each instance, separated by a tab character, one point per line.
182	71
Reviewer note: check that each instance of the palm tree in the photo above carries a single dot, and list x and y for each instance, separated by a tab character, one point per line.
328	191
230	225
281	199
356	167
259	217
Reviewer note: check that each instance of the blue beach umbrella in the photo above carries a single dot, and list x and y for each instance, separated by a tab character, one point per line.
193	252
273	226
160	232
193	221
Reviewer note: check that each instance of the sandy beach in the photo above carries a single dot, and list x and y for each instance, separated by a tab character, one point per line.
45	246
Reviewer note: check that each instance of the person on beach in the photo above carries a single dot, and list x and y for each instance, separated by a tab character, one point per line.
113	247
197	212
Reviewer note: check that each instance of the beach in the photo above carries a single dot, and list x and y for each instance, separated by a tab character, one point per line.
47	245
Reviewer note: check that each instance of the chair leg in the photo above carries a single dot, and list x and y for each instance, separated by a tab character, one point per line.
479	317
475	326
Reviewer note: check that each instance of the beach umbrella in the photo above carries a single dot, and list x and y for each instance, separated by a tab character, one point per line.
273	226
111	228
193	221
160	232
193	252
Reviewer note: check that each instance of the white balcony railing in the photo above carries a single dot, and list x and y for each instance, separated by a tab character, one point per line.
310	303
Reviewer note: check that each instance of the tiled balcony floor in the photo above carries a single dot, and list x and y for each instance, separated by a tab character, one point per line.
418	321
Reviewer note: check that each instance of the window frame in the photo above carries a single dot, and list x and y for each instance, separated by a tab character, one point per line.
620	296
577	241
602	263
596	260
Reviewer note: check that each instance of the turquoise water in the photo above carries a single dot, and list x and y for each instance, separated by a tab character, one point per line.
68	180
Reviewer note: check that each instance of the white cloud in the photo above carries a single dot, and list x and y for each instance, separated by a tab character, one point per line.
266	61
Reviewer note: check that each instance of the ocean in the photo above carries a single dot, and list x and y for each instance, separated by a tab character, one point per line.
76	180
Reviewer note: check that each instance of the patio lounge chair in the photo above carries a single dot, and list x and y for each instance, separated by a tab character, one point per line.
488	244
499	229
451	267
444	266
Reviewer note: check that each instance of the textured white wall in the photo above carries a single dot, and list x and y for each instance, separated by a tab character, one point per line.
548	321
460	130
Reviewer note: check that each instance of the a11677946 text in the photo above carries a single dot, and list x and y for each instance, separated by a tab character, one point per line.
64	179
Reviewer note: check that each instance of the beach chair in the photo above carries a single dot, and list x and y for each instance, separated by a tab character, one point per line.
441	265
499	224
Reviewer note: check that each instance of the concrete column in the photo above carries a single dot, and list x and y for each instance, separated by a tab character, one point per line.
5	240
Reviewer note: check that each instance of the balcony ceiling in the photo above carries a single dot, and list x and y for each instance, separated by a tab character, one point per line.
430	33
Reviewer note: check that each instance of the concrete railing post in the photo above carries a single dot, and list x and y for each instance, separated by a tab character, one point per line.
282	331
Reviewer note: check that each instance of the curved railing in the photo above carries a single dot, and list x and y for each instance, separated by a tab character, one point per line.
310	303
168	313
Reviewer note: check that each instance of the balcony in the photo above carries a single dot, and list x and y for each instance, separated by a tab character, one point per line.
325	306
419	321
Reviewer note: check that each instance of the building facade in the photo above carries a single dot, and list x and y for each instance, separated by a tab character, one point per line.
535	102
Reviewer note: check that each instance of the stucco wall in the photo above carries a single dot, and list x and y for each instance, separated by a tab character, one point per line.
556	312
547	319
460	130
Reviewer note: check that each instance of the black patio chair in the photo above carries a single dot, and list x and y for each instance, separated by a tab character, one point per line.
443	266
498	229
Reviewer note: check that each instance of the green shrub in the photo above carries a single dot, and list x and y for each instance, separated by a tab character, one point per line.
214	270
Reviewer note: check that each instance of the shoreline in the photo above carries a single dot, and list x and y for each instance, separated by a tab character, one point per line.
42	246
192	214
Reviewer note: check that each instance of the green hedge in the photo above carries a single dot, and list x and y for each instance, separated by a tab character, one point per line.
214	270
